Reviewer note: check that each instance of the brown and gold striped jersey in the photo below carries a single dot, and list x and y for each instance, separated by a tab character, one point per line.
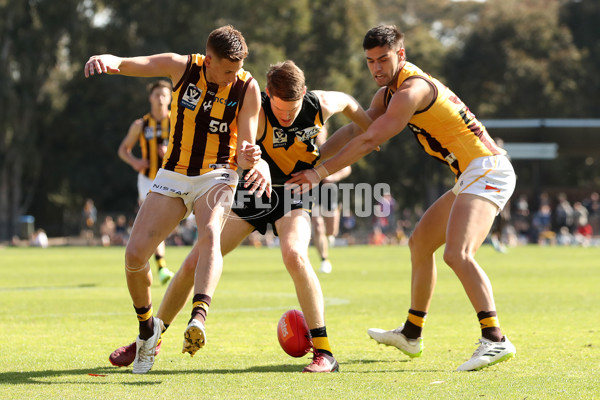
446	129
154	134
204	121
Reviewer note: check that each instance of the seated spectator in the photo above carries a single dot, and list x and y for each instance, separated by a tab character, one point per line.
583	231
541	226
564	237
39	239
107	231
121	234
377	237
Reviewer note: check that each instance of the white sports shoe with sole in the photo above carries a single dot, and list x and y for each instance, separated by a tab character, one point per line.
146	349
194	337
326	267
489	353
411	347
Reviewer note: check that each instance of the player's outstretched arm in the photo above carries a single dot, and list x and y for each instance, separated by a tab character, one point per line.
333	102
345	134
410	97
159	65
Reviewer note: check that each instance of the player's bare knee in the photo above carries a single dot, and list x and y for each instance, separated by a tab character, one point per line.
456	257
208	235
134	261
417	243
294	259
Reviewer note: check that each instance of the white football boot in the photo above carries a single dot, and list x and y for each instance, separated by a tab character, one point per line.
146	349
411	347
489	353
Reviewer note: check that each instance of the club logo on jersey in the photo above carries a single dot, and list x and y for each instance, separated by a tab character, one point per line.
191	97
279	138
149	133
207	105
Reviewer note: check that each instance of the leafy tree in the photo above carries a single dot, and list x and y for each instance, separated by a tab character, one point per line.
34	64
518	62
581	18
59	132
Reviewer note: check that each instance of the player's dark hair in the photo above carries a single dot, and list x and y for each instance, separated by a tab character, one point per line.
228	43
286	81
384	35
159	84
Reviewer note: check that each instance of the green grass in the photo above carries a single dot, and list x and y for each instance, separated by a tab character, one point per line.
63	310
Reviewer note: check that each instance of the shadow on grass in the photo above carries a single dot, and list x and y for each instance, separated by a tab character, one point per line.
37	288
96	375
33	377
388	362
37	377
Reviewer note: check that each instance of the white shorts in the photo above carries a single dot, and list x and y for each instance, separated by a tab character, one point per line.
492	178
144	185
191	188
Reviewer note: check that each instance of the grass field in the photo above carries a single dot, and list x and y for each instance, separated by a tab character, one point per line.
63	310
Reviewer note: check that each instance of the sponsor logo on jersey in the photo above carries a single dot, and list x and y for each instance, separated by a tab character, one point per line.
307	133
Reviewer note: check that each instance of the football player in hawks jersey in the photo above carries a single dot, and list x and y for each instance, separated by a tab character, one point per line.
152	133
462	217
289	124
214	115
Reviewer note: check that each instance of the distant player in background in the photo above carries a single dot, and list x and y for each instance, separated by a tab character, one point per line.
151	132
326	214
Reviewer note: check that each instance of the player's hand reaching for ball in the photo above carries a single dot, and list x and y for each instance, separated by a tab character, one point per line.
259	179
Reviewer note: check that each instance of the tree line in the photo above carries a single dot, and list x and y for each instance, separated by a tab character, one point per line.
59	133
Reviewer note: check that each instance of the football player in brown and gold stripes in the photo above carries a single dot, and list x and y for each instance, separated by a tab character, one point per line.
214	115
461	218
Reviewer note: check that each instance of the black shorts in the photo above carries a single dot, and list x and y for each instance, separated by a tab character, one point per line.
260	212
328	196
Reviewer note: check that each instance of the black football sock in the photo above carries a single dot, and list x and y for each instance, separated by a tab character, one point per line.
160	261
413	327
201	303
490	327
321	341
144	316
